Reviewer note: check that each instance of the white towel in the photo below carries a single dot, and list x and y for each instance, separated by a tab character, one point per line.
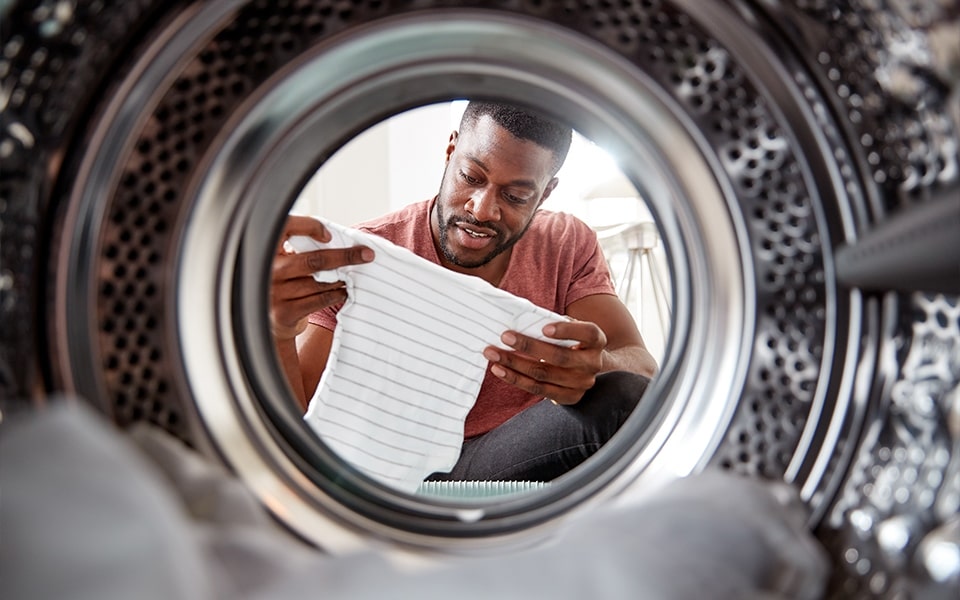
406	362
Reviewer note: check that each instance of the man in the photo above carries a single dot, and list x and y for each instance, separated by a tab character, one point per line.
543	408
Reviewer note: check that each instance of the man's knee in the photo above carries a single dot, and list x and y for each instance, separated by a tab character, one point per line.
623	388
610	401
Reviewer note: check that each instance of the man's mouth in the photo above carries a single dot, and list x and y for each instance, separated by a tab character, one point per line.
474	233
474	230
473	237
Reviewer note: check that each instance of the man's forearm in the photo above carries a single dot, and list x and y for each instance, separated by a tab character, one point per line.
290	360
634	359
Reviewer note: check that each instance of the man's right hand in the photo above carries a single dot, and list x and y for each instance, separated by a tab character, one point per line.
294	294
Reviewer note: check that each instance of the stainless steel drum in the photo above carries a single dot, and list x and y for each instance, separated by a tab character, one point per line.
800	157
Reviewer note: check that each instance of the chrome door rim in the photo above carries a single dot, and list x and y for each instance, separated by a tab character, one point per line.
413	60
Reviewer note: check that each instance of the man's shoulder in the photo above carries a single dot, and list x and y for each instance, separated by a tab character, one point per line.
554	225
399	224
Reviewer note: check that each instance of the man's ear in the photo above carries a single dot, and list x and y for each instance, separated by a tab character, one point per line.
547	190
451	144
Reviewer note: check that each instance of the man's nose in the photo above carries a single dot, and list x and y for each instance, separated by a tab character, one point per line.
483	205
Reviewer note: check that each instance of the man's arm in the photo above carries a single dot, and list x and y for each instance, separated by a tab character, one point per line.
625	350
313	351
608	340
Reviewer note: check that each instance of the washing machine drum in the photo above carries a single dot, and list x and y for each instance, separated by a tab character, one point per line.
799	160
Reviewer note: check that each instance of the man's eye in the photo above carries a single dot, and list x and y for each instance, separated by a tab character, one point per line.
514	199
469	179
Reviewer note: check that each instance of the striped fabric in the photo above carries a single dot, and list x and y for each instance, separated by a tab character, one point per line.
406	362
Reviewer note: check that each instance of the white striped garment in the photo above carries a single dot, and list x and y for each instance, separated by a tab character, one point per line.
406	362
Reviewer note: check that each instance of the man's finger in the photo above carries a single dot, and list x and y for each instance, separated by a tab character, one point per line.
588	334
558	393
286	321
320	301
302	265
322	260
300	225
301	287
552	353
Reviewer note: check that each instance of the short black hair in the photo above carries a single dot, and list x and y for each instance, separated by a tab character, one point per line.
525	125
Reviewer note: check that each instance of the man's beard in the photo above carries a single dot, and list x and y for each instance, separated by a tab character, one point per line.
445	224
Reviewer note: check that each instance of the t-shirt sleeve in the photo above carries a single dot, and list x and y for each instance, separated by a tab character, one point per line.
591	275
326	318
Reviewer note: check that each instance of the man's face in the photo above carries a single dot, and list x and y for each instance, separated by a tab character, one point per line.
492	185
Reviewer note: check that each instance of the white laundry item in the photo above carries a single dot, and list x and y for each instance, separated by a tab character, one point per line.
406	363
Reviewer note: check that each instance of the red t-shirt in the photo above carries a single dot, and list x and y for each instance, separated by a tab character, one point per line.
557	262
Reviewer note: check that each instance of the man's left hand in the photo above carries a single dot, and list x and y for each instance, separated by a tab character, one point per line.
559	373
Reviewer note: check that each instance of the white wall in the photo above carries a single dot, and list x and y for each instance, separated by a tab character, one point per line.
351	186
392	164
417	144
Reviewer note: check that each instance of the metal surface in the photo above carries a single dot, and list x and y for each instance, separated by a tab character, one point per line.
149	151
270	148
